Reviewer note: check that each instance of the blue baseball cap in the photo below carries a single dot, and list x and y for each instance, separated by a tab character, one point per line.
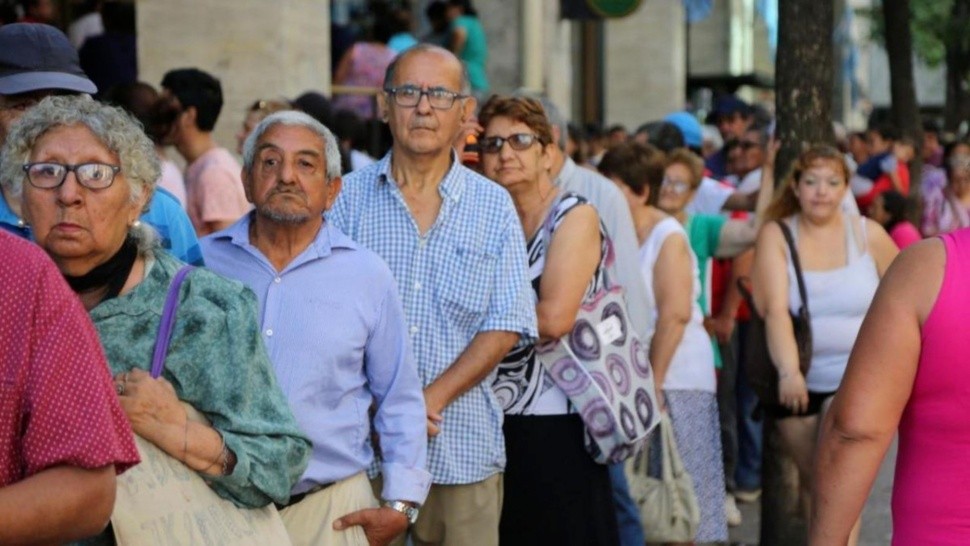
689	127
726	105
34	56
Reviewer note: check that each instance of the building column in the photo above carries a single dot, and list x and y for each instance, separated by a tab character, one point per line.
645	64
532	45
258	49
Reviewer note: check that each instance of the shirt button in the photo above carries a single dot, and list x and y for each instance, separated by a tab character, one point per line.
414	329
417	286
277	280
269	332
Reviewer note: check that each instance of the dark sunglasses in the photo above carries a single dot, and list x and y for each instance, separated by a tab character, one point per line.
518	142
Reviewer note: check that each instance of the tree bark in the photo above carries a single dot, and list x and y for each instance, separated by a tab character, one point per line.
957	106
804	72
902	84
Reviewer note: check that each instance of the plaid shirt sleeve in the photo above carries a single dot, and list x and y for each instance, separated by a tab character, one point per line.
512	307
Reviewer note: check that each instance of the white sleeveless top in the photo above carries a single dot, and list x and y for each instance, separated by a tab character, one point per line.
837	302
692	366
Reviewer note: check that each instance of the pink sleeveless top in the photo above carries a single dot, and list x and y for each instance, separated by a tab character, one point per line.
931	493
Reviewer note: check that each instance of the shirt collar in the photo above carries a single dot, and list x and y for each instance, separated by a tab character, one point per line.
452	185
8	217
568	169
328	238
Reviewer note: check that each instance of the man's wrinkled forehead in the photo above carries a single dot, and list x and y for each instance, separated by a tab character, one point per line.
427	69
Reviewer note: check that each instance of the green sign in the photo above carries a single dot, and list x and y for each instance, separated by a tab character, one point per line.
613	8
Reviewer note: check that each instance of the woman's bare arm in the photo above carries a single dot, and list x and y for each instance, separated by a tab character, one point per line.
877	384
571	260
672	285
770	285
57	505
458	38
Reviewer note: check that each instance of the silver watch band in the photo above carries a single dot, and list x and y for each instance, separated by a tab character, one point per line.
409	511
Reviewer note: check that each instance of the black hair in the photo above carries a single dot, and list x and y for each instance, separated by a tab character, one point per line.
316	105
894	203
136	98
384	28
887	131
594	130
348	126
195	88
436	10
465	5
664	135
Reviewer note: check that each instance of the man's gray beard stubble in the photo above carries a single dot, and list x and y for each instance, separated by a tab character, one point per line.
282	217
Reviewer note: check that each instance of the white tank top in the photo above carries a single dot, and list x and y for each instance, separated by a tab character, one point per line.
692	366
837	302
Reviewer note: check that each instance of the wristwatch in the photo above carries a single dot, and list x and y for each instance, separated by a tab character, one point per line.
409	511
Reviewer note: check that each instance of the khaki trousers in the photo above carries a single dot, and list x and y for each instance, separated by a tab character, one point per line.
310	521
457	515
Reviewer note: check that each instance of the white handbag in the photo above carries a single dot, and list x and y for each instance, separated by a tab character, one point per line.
668	505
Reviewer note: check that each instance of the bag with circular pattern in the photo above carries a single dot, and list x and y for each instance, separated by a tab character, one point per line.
603	369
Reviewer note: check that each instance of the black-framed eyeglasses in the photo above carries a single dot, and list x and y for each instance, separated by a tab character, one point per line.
518	142
49	175
408	96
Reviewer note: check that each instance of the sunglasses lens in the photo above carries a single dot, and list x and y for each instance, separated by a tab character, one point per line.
521	141
491	145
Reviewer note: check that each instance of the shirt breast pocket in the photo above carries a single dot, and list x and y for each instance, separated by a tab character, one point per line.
465	285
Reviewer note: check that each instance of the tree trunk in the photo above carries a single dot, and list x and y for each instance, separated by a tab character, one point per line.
804	69
902	85
957	106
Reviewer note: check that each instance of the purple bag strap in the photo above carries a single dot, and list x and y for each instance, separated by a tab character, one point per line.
167	322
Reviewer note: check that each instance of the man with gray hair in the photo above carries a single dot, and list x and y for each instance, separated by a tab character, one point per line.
615	214
334	327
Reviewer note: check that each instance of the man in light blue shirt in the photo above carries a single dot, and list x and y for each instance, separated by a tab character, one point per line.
334	328
456	248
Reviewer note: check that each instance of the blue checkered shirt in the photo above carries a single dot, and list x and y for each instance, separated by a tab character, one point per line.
466	275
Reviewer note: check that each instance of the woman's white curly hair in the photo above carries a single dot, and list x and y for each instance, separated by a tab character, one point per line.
116	129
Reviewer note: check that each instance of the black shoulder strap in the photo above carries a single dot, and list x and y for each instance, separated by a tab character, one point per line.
786	231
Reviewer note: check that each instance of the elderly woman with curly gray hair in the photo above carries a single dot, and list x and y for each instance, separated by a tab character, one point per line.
84	173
